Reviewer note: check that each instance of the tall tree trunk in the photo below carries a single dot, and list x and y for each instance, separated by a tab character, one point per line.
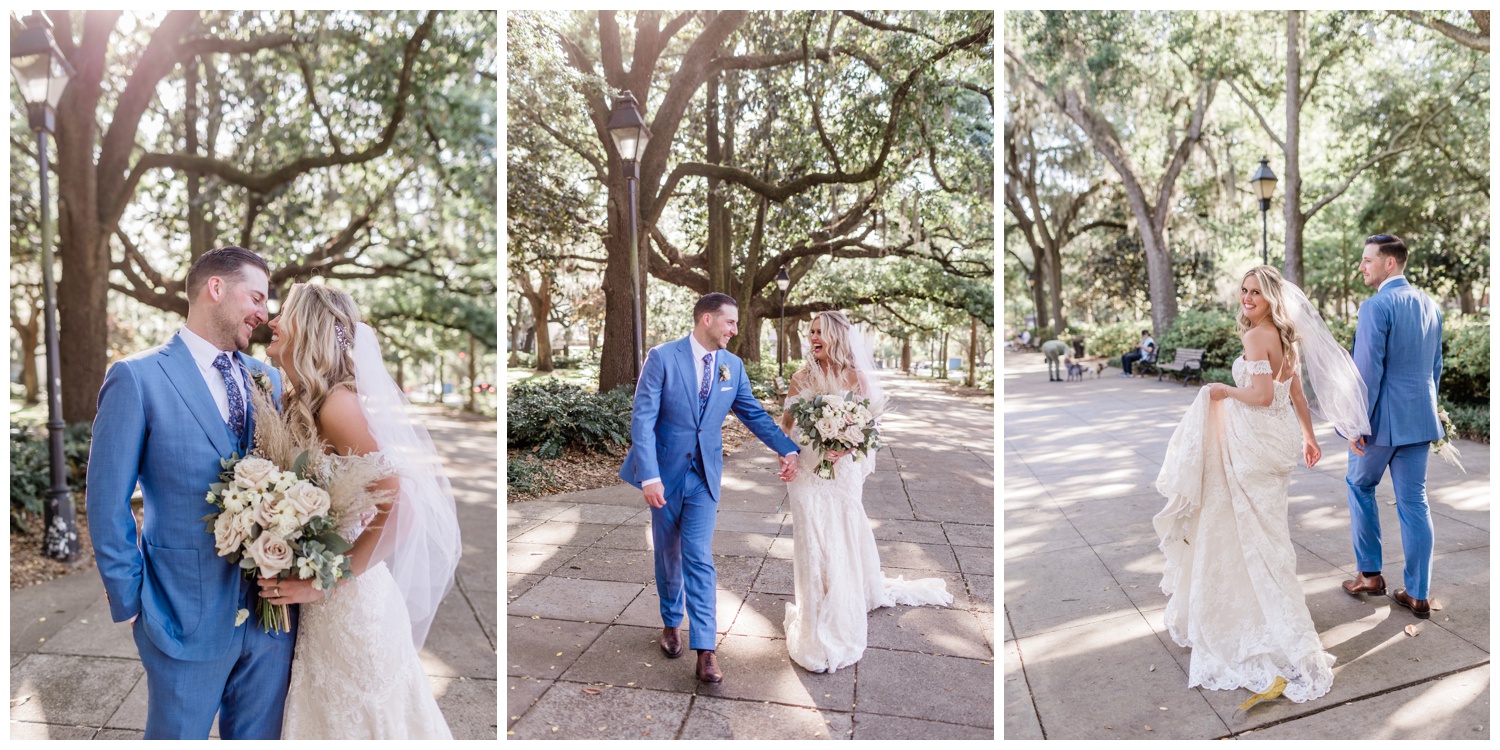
1054	281
906	354
973	352
1292	266
540	297
472	407
616	366
28	334
83	287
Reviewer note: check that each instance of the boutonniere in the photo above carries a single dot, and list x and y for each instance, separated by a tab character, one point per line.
262	381
723	373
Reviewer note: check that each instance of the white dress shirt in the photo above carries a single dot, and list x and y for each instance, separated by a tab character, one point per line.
204	355
1389	280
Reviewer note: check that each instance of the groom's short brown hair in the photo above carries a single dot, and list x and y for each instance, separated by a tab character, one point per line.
1388	245
712	303
225	262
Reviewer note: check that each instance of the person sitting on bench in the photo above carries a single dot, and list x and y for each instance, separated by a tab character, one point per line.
1142	351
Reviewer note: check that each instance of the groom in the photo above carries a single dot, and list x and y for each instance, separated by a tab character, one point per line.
1398	348
687	388
166	418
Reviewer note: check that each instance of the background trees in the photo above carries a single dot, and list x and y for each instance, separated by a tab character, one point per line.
356	147
853	149
1131	137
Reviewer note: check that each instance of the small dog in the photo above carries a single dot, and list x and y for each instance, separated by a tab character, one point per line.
1075	370
1098	370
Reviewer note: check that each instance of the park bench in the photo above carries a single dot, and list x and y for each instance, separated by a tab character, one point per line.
1146	366
1187	362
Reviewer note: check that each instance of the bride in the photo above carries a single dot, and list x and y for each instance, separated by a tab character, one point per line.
1231	572
836	568
355	674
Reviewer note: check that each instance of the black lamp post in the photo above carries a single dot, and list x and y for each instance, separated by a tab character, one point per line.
42	72
782	282
1264	183
631	135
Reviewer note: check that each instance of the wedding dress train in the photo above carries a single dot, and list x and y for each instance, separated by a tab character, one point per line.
1231	572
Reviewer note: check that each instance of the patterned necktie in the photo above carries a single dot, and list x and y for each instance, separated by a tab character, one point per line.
236	399
703	390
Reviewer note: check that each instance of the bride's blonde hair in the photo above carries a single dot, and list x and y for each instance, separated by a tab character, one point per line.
837	354
1270	291
318	324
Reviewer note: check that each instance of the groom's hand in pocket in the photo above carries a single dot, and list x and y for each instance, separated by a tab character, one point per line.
655	494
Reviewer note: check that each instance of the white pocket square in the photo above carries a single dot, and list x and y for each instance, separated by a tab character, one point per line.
727	388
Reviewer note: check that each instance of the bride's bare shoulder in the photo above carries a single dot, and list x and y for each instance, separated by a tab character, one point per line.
342	423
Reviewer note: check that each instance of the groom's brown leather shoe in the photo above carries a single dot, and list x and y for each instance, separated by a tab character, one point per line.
1418	607
708	668
670	642
1361	585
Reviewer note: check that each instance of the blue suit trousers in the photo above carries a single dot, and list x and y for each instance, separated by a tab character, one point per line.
1408	464
251	676
682	533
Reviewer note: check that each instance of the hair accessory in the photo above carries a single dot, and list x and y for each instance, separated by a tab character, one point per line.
343	336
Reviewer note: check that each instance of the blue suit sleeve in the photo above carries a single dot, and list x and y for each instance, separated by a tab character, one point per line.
644	411
747	407
1437	360
1369	349
114	467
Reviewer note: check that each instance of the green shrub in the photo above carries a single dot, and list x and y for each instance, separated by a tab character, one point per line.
528	474
1210	330
1466	360
1112	339
31	469
762	376
1472	421
1343	331
1223	375
549	414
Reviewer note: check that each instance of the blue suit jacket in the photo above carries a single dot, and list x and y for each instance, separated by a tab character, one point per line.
157	425
667	430
1398	348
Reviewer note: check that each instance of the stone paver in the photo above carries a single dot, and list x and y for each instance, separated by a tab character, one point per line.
76	675
1086	653
931	506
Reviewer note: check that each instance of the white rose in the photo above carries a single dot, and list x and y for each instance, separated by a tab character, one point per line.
265	511
834	400
271	553
827	428
228	535
853	436
287	526
308	500
254	473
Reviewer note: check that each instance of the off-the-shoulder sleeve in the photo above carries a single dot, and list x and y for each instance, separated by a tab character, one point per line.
1259	366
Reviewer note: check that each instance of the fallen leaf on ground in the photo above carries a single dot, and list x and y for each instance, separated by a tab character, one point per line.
1152	669
591	691
1436	605
1148	727
1277	686
1411	630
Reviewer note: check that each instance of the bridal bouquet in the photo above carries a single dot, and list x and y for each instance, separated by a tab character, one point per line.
836	422
1443	446
278	511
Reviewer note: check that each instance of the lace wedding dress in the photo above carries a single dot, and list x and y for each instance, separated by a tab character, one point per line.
836	568
1231	573
355	674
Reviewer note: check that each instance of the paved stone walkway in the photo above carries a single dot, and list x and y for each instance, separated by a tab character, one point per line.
74	674
1086	654
582	618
